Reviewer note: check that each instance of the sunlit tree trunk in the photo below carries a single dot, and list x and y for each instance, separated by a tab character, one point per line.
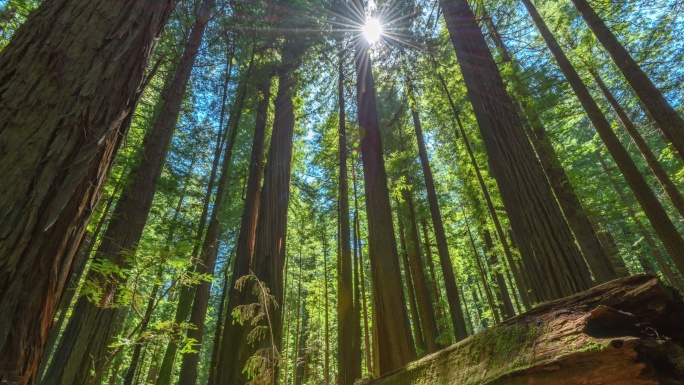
71	76
525	190
653	209
410	289
651	98
390	319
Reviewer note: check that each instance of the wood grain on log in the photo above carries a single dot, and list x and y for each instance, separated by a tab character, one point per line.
628	331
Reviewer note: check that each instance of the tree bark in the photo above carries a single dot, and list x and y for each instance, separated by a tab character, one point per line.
597	258
526	193
603	334
669	121
71	76
349	353
390	319
493	260
670	189
655	212
455	310
410	289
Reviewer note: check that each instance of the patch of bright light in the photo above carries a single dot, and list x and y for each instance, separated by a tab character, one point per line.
372	30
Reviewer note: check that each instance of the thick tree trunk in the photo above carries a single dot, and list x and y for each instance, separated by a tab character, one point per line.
410	289
597	258
71	76
525	191
627	331
91	329
651	98
655	250
655	212
349	353
390	319
440	235
652	161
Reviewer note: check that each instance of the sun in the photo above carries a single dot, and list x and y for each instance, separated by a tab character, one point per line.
372	30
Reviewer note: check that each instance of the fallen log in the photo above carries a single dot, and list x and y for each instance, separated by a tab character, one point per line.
629	332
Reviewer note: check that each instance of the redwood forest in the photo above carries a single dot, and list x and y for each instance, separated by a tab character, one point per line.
348	192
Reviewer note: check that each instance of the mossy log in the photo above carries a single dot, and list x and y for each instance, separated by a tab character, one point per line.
629	331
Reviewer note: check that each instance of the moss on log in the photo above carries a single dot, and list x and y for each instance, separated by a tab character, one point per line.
629	331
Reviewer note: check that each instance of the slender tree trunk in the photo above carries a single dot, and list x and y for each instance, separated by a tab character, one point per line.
652	161
651	98
655	212
655	250
508	310
218	332
326	361
431	265
519	280
357	245
348	356
440	235
295	368
526	194
390	319
426	308
417	331
187	293
87	60
597	258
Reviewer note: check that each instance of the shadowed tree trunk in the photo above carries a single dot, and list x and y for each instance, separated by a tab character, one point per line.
433	276
655	250
442	247
651	98
525	191
71	76
349	353
390	319
91	328
652	161
597	258
655	212
493	261
218	332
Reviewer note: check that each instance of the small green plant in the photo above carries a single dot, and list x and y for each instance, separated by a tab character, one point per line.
260	367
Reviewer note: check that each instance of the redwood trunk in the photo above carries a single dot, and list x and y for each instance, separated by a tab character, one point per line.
390	319
71	76
651	98
408	277
655	212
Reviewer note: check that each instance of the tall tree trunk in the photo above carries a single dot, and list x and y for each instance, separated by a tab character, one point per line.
227	372
348	353
188	374
390	319
655	212
597	258
326	345
426	308
652	161
218	332
410	289
519	280
71	76
508	311
526	193
655	250
455	310
91	328
357	246
433	276
187	293
651	98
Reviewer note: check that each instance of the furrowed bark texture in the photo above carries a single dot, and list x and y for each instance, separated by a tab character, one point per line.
667	232
390	320
92	326
626	331
70	77
525	191
653	101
